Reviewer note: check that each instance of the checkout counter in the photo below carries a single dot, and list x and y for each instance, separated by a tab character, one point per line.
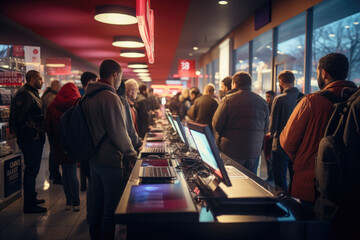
189	207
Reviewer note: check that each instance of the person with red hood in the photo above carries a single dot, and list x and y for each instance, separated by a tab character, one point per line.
65	99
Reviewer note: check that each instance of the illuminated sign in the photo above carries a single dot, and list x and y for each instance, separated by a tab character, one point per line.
186	68
58	66
145	17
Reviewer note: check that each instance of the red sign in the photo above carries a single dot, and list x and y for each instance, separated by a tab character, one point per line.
11	78
18	51
145	17
58	66
186	68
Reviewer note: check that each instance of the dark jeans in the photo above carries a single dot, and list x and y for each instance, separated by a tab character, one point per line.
53	167
106	182
32	151
251	164
84	173
280	164
70	184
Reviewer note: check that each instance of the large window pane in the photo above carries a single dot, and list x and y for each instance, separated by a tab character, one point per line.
261	67
337	29
216	76
241	58
290	52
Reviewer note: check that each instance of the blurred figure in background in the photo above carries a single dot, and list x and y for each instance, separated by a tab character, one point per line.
194	94
142	108
64	100
268	139
185	103
49	96
225	86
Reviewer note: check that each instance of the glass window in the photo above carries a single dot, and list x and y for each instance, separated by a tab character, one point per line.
261	66
216	76
291	46
241	58
337	29
201	79
209	73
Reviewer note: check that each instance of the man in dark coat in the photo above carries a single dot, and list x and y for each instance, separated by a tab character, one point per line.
27	122
142	108
204	107
241	121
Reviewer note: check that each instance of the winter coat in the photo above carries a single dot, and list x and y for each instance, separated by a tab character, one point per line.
203	109
282	107
106	115
64	100
27	114
241	121
142	108
301	136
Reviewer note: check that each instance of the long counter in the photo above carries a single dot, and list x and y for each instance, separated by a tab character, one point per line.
187	207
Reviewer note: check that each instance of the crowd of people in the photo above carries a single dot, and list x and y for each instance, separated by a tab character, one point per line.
287	128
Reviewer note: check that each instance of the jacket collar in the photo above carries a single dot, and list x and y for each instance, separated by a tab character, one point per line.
32	89
339	83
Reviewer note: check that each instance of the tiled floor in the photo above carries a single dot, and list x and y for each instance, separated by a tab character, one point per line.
56	223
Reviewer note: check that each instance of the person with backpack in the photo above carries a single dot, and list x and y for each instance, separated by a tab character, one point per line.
65	99
105	115
306	126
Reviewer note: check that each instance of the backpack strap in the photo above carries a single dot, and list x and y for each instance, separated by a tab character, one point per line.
329	95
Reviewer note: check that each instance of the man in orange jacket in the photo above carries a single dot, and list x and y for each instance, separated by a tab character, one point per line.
306	126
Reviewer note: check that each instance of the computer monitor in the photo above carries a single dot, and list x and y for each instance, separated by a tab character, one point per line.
188	135
208	151
180	129
170	119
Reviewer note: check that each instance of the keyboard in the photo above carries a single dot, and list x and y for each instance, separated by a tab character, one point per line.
153	150
157	172
234	173
154	139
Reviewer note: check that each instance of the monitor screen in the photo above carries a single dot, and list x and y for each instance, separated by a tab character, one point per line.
180	129
188	135
171	121
208	151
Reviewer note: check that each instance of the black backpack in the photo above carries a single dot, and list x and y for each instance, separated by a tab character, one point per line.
74	134
338	160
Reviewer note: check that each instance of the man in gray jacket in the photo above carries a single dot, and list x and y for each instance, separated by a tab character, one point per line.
241	121
282	107
106	116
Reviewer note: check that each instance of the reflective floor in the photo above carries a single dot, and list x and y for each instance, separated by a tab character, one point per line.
56	223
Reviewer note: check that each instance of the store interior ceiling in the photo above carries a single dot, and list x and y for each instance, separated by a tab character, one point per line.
178	27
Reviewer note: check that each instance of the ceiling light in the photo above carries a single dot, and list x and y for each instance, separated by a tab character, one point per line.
190	54
141	70
223	2
128	42
55	65
195	48
137	65
197	73
132	53
347	26
115	14
299	47
5	66
146	79
143	74
356	23
332	35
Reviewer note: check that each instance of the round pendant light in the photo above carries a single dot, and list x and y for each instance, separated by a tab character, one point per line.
143	74
132	53
115	14
141	70
137	65
128	42
146	79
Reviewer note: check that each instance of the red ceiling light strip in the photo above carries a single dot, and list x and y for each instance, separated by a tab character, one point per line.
145	17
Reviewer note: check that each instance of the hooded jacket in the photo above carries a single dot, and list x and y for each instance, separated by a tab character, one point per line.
64	100
241	121
302	134
106	115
